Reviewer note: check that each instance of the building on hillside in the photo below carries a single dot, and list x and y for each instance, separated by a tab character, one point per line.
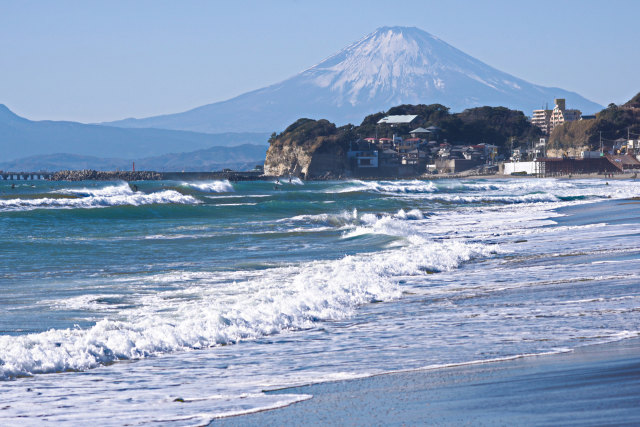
547	120
397	120
362	154
542	119
420	133
385	143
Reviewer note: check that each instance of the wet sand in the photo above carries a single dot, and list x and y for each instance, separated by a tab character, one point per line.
593	385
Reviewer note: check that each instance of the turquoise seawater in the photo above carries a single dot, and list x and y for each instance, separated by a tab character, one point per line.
181	302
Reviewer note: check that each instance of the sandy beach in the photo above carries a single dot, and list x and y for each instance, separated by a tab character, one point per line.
593	385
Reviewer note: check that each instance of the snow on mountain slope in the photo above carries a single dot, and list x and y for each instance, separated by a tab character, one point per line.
391	66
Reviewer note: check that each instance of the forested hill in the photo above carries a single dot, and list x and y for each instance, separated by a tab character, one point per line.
491	125
317	148
615	121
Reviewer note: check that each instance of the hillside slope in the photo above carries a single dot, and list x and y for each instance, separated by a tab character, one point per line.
613	122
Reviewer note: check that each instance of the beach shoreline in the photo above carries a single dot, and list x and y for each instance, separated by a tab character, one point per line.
593	384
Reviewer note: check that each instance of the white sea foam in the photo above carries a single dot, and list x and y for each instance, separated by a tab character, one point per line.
223	186
287	180
115	195
296	181
562	286
119	189
398	225
389	187
496	191
334	219
277	300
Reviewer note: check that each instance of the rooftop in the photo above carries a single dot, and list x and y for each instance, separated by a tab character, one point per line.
392	120
420	130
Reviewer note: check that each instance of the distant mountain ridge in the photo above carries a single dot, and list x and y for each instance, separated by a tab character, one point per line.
20	137
241	157
391	66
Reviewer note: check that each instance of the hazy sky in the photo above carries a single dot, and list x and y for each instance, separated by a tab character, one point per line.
95	61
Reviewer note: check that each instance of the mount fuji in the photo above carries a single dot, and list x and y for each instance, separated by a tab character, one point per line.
391	66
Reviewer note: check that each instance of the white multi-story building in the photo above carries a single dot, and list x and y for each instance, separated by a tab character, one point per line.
547	120
542	119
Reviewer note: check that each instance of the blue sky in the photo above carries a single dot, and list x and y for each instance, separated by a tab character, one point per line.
95	61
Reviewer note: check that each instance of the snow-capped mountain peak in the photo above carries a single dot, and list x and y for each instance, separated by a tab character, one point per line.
403	65
391	66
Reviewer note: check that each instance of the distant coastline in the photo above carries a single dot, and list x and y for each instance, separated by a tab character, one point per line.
235	176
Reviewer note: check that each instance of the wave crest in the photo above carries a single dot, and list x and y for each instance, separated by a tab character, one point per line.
275	300
223	186
115	195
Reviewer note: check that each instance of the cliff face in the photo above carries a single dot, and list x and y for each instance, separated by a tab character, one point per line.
310	149
287	159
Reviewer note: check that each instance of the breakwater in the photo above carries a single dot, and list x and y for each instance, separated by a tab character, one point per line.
24	176
92	175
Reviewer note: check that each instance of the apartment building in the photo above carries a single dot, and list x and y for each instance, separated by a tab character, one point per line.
546	120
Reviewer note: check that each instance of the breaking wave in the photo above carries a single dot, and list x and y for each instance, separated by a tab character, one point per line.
331	219
211	186
115	195
295	181
262	303
389	187
492	191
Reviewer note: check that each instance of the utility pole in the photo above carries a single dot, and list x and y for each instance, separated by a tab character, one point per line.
601	151
511	152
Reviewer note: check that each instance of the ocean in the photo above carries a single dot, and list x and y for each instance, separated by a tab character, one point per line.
183	302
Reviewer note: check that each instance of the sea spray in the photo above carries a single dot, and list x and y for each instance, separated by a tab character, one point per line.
223	186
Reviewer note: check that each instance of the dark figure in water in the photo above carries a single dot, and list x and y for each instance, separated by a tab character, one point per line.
13	186
135	188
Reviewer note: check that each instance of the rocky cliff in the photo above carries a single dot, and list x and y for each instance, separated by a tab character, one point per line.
311	149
